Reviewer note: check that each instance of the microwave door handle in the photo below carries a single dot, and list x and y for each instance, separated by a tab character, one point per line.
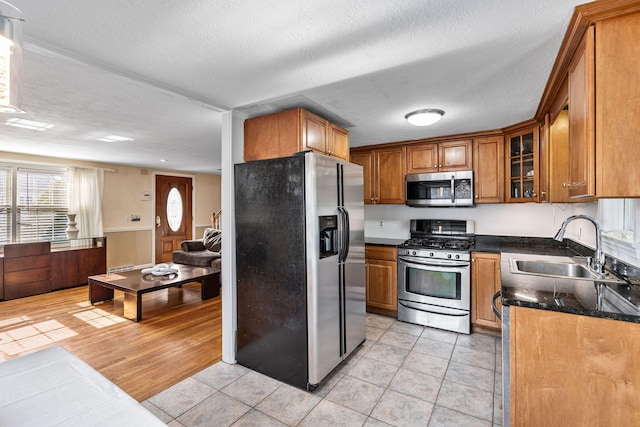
453	188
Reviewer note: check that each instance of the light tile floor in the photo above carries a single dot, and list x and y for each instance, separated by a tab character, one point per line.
403	375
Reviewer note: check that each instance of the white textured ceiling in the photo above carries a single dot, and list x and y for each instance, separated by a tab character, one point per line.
161	71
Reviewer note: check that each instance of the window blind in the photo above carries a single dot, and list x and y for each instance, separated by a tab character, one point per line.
5	205
42	200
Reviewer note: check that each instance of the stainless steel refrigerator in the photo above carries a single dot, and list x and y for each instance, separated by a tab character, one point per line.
300	266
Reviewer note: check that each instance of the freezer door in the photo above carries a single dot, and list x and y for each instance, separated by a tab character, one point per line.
271	271
354	267
323	291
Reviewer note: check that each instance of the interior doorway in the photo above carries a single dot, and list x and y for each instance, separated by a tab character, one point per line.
173	214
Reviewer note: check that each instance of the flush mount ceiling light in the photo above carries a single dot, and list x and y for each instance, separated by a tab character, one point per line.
28	124
424	117
10	58
115	138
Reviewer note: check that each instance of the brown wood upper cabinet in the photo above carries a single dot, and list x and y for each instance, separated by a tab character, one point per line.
439	156
556	186
290	131
383	170
522	152
604	110
581	119
554	152
488	169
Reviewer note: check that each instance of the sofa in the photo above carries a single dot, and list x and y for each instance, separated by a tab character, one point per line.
203	252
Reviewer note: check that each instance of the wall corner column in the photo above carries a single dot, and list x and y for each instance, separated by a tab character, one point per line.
232	152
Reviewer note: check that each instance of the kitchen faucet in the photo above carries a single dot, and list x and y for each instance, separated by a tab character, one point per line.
598	264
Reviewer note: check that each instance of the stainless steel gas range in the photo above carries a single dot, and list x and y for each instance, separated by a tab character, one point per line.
434	274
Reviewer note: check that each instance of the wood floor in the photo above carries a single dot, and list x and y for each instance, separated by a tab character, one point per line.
178	336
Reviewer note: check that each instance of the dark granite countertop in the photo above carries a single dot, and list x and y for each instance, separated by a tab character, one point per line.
620	302
382	241
529	245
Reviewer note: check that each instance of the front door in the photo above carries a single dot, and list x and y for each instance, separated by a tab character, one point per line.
173	215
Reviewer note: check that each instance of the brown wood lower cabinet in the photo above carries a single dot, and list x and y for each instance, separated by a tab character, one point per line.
27	269
64	269
485	282
572	370
34	268
382	279
91	261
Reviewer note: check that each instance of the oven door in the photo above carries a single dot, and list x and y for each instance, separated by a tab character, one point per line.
438	282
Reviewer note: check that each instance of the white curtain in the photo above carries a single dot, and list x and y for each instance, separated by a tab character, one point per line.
85	200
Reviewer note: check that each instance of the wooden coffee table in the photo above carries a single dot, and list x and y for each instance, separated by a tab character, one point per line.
134	284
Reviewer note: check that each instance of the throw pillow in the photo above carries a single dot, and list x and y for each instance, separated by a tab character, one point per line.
212	239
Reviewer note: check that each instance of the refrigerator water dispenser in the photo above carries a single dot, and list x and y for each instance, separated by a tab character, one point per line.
328	226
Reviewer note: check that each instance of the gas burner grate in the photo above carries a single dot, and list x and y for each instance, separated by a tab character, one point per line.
440	243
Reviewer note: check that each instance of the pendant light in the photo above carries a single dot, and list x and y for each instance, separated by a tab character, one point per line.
424	117
10	58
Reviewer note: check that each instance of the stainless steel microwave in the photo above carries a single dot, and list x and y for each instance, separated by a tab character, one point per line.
440	189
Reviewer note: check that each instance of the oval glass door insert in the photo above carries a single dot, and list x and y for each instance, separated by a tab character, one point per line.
174	209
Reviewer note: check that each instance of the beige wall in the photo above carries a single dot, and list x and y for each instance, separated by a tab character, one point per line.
127	248
131	243
207	188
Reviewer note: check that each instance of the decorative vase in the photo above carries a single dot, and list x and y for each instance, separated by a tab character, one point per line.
72	231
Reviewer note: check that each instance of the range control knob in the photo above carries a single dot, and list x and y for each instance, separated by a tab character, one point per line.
414	253
448	255
430	254
457	256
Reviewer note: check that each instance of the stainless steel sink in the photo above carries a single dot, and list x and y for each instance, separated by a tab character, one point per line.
563	270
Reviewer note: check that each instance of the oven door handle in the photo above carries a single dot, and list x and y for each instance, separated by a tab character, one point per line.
447	312
441	266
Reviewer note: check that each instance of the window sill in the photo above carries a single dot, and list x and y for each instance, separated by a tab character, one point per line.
620	245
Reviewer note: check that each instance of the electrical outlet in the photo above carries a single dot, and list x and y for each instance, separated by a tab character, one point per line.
381	224
126	218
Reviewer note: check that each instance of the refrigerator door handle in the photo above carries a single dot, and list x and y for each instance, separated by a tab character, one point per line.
347	233
341	252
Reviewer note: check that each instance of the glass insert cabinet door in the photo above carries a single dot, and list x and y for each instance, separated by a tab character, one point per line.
522	165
